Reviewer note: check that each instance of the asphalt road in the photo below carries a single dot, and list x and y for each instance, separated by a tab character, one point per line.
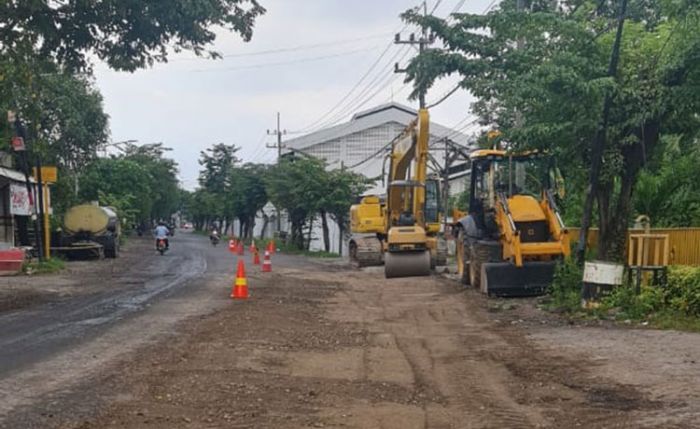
47	348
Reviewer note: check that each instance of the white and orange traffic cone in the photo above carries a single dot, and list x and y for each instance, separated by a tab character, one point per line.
267	263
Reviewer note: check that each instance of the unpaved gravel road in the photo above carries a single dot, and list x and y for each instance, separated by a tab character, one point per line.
321	345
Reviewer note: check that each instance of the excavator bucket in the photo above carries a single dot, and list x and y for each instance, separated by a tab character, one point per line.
505	279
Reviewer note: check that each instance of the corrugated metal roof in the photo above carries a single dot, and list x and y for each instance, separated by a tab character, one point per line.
379	115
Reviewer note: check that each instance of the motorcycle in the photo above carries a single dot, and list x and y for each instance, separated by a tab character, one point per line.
162	246
214	238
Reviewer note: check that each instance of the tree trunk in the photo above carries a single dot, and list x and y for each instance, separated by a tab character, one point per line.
612	241
598	146
250	226
297	233
263	230
341	234
326	232
311	229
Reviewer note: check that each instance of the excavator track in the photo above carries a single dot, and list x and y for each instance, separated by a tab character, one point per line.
366	251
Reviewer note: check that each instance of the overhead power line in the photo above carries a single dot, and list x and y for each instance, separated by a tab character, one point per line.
296	48
349	93
282	63
437	4
379	82
445	96
321	121
458	6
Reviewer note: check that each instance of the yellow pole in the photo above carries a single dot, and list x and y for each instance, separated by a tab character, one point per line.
47	233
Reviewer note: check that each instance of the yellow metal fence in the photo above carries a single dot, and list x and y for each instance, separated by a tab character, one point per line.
684	243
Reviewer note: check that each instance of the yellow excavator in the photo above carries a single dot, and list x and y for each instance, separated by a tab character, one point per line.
401	231
512	236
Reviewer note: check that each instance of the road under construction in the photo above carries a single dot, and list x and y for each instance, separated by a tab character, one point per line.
158	342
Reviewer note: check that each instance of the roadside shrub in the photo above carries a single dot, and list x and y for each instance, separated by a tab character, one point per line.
565	292
682	292
632	306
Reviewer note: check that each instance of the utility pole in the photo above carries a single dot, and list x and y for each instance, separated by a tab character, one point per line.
279	133
422	43
279	145
598	144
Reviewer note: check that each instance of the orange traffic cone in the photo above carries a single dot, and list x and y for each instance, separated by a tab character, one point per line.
241	249
232	246
256	256
267	263
251	248
240	287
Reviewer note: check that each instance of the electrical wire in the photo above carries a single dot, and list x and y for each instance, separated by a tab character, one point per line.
445	96
281	63
342	100
297	48
437	4
491	5
459	5
315	125
380	81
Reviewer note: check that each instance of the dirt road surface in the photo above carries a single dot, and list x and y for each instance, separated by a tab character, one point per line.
319	344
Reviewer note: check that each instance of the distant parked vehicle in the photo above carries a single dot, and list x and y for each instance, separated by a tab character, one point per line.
89	223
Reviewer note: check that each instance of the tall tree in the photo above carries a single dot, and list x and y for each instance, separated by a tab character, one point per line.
548	93
247	195
296	186
126	34
343	188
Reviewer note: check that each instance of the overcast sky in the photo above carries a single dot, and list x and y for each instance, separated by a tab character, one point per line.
321	50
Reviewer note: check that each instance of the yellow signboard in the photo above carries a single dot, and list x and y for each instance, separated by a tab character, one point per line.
48	174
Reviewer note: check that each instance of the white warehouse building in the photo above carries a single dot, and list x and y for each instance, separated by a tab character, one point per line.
358	144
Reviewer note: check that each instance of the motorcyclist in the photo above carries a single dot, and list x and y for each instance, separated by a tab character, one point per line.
161	233
214	234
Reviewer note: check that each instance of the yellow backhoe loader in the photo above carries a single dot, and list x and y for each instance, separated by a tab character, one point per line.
512	236
402	231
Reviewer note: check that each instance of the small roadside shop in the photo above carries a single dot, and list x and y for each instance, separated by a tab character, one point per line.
16	210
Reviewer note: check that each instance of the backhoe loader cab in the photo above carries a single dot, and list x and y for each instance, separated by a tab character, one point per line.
509	242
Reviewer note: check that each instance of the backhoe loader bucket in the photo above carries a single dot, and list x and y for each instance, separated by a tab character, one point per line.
505	279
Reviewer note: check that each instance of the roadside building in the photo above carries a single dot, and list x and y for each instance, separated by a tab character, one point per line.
360	145
16	209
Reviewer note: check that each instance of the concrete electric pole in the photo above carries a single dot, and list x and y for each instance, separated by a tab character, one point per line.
279	133
423	41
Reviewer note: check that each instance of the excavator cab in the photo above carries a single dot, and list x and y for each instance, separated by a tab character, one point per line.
512	236
403	231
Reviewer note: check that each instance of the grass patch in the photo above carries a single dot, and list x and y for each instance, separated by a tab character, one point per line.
284	248
49	266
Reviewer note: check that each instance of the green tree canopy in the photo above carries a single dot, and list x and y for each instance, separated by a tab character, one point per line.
126	34
296	185
540	77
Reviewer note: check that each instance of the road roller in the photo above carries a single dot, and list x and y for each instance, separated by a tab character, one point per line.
401	229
